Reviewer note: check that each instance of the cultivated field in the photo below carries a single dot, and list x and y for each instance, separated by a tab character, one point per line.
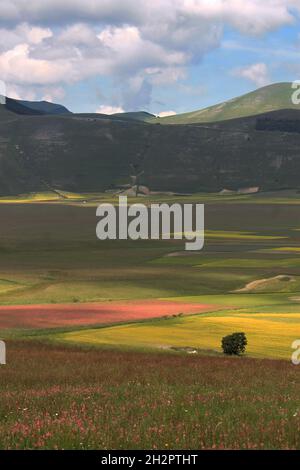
62	315
269	335
121	339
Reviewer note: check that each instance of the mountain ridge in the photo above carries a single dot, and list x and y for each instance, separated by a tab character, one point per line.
45	107
82	154
94	152
268	98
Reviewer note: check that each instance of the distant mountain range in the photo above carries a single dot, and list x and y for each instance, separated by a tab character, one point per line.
251	141
269	98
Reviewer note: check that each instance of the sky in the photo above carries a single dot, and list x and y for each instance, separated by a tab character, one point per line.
160	56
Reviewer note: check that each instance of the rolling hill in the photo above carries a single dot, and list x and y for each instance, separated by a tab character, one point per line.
269	98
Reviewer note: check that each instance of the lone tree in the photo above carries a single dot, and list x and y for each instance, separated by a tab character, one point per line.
234	344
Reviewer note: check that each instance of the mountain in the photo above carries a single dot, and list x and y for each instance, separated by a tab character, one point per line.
269	98
136	116
34	107
45	107
19	107
94	152
82	153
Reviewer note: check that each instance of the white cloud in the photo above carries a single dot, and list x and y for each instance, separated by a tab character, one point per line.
53	94
106	109
17	66
256	17
20	93
35	35
165	75
256	73
139	44
129	49
250	16
66	11
78	34
23	33
35	93
166	113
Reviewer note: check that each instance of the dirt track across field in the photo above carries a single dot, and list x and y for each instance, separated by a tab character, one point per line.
59	315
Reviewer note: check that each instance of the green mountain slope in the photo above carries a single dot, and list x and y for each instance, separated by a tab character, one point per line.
269	98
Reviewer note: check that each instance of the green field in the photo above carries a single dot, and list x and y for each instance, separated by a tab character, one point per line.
249	272
49	254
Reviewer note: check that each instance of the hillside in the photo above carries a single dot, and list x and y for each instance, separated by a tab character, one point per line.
33	107
269	98
94	153
19	107
139	116
45	107
136	116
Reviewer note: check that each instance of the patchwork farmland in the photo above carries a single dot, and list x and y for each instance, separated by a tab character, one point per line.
126	335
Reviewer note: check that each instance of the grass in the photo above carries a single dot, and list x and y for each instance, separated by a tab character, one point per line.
54	397
238	300
273	97
110	387
269	335
49	196
291	249
89	199
252	263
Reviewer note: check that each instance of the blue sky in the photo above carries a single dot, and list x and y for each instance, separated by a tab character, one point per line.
162	56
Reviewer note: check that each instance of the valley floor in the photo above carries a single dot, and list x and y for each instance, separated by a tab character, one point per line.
117	344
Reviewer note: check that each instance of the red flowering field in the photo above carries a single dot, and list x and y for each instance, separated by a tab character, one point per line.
63	398
59	315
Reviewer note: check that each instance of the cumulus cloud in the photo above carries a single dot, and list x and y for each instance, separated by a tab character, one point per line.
69	11
166	113
252	16
23	33
256	17
53	94
138	44
106	109
35	93
165	75
17	66
256	73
